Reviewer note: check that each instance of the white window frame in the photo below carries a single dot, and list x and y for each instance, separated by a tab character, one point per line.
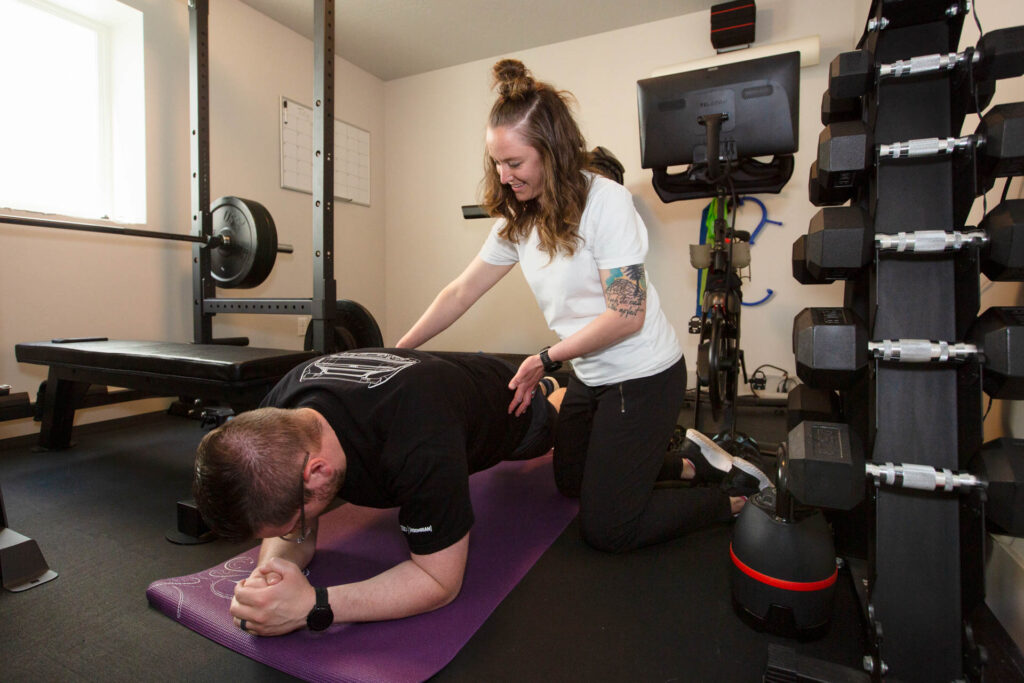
121	165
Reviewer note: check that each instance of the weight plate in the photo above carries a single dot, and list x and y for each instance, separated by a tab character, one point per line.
354	328
249	256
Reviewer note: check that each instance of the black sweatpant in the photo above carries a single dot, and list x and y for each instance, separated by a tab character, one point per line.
610	444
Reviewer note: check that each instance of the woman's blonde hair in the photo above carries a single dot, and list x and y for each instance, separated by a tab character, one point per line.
542	116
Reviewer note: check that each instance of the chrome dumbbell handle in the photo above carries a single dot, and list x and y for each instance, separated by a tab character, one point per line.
925	147
921	477
925	64
930	240
920	350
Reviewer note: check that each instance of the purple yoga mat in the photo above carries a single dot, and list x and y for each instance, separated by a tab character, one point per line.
519	513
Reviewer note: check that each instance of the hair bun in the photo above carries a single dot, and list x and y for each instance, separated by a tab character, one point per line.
512	79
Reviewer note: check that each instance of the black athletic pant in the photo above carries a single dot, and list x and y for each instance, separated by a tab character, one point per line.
610	444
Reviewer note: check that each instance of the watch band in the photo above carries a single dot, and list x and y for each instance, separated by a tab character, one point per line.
321	616
545	359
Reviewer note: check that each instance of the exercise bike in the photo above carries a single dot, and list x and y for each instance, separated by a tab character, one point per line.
719	356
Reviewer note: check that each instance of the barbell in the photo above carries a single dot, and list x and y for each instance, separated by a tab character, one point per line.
243	247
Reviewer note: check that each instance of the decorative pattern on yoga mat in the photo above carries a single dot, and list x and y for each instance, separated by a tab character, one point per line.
519	513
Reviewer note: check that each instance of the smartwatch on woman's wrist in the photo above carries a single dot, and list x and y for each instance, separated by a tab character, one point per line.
549	365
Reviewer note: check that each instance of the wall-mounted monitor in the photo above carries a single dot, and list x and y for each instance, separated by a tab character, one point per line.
760	98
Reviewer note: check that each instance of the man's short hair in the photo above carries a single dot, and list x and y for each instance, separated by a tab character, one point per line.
247	470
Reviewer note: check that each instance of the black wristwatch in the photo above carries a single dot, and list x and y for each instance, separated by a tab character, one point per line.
549	365
321	616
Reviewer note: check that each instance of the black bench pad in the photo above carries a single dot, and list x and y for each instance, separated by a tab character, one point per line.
209	362
238	375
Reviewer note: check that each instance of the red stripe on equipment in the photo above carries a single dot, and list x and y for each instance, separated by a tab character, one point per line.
729	28
802	586
731	9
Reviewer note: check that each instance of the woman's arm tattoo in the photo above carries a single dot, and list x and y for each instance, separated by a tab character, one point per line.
625	290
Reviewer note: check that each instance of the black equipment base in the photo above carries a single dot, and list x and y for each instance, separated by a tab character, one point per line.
192	529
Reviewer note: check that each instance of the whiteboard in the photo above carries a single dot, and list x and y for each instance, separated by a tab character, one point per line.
351	154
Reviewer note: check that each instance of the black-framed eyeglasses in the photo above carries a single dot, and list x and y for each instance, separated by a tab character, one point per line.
302	532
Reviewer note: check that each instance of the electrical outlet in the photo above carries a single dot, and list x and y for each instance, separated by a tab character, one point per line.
301	323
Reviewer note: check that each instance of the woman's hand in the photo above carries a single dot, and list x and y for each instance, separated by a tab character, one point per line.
525	383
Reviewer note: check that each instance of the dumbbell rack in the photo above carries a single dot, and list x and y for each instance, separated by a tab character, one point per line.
916	559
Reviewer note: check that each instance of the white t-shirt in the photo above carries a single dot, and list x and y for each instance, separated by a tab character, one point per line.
569	292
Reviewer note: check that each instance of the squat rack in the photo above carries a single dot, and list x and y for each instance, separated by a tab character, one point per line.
205	303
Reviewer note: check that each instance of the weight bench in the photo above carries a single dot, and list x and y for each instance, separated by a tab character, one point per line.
237	375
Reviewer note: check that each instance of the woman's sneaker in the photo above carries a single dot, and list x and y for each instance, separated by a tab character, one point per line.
747	476
710	461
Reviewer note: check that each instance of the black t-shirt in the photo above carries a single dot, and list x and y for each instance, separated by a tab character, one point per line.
414	425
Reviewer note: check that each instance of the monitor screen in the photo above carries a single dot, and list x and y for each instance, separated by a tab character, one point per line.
760	97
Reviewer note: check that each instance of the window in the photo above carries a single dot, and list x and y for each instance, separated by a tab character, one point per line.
72	126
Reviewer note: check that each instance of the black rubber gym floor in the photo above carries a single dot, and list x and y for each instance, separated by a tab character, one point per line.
99	512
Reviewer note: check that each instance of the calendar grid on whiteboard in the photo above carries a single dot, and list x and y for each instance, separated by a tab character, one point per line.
351	154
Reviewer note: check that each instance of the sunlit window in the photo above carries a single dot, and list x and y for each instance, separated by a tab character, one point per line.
72	125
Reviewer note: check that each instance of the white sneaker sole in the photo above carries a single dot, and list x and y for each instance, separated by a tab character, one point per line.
716	456
720	459
750	468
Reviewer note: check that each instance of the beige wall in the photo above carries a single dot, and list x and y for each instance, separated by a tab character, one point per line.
61	284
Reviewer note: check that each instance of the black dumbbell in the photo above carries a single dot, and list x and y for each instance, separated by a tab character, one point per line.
998	334
970	94
997	145
995	341
851	74
805	402
840	241
1003	255
1000	147
845	153
819	195
834	109
832	351
999	54
999	239
824	465
800	272
831	347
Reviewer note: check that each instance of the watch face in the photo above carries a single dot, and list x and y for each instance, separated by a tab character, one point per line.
320	618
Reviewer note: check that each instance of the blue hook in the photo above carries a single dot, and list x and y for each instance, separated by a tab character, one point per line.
769	295
753	236
764	217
